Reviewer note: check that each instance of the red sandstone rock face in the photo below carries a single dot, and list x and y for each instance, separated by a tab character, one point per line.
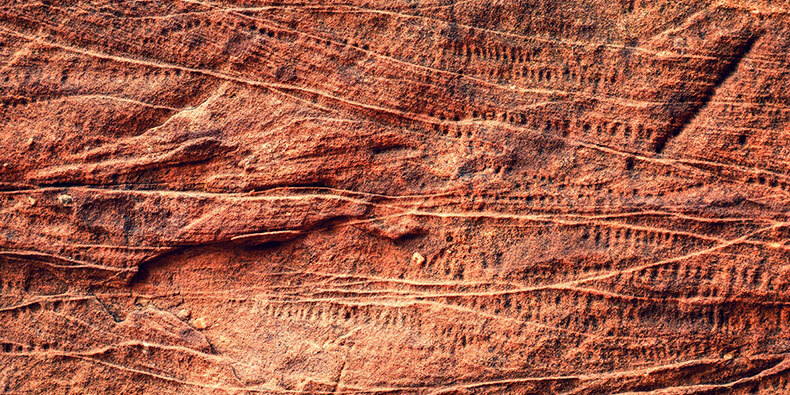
543	196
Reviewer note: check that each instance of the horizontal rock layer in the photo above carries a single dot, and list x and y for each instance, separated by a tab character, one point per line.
518	196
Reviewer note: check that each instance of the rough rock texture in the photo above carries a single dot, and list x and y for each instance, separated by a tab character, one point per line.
394	196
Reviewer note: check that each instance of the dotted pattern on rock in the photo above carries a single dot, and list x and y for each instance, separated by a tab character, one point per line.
423	196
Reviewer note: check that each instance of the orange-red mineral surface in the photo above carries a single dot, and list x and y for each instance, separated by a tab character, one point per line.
394	197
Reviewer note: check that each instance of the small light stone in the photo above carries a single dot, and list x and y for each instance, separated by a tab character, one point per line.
417	259
248	163
183	314
65	199
31	200
201	323
728	356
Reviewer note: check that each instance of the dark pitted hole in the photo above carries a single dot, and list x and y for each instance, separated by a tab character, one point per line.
629	163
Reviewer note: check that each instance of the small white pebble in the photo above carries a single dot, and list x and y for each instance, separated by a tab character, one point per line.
201	323
183	314
65	199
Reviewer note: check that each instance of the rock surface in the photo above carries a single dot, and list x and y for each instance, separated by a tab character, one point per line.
421	196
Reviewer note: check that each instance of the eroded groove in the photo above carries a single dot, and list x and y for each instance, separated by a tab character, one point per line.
740	52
